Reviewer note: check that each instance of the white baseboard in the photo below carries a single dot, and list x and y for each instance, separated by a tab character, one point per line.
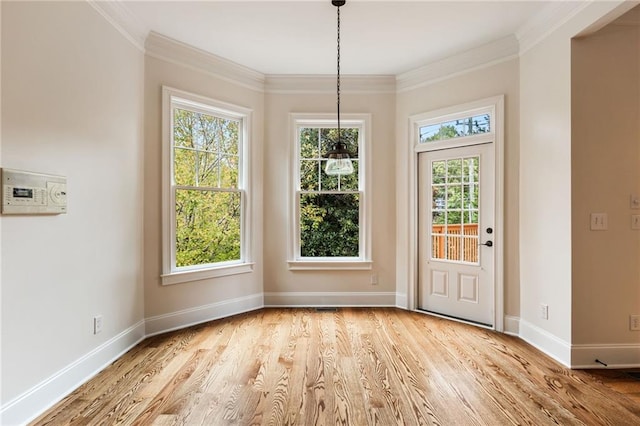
41	397
614	355
512	325
402	301
188	317
546	342
319	299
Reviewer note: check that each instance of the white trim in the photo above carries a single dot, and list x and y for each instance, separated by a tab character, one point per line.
167	49
479	57
614	355
546	342
550	18
121	18
170	274
206	273
326	84
187	317
30	404
495	106
512	325
363	122
401	301
326	299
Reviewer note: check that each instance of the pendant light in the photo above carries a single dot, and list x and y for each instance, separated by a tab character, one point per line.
338	158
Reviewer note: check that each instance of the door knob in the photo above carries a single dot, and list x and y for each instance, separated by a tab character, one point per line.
488	244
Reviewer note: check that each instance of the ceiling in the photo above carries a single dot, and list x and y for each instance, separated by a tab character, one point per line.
299	37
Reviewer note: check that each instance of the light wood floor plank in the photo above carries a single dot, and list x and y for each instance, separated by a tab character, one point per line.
358	367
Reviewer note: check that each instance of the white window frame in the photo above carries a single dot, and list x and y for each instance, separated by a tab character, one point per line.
363	261
172	99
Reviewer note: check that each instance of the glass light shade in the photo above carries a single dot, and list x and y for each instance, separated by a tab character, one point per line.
339	166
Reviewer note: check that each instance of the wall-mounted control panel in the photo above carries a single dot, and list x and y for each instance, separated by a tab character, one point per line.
33	193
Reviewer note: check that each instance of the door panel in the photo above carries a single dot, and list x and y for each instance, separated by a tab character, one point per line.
456	215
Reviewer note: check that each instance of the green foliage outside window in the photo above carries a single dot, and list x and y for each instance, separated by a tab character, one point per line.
456	128
208	199
329	206
454	191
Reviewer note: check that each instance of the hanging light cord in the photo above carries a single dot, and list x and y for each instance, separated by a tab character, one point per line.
338	78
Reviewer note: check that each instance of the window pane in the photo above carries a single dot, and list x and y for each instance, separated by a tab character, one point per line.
454	171
467	126
309	175
470	196
183	128
350	182
328	137
226	135
438	197
309	143
208	169
470	170
229	166
454	218
184	167
438	171
454	247
350	139
213	160
207	227
454	197
328	182
438	219
329	225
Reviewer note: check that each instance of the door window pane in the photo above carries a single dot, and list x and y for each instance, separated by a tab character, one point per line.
454	203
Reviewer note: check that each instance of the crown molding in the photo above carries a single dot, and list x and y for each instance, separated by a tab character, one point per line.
630	19
550	18
489	54
119	16
167	49
326	84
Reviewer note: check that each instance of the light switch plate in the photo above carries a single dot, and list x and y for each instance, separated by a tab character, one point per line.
635	221
599	222
634	201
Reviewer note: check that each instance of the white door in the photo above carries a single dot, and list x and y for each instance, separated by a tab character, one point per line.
456	229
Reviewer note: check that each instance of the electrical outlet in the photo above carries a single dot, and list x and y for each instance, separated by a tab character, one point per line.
544	311
97	324
634	322
374	279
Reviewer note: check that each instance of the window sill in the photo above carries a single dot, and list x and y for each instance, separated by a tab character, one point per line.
203	274
323	265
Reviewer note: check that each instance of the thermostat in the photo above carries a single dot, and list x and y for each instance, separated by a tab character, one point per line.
33	193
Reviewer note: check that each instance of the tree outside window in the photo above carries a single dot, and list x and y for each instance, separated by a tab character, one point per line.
328	207
208	199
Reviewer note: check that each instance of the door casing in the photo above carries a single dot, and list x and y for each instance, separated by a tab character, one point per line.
495	107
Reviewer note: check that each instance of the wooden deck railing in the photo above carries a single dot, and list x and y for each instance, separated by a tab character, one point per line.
459	243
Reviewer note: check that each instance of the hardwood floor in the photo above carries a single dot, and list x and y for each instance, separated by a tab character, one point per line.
350	367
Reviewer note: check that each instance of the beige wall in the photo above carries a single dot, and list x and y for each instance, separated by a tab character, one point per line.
278	278
605	79
73	90
72	104
499	79
545	184
171	299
